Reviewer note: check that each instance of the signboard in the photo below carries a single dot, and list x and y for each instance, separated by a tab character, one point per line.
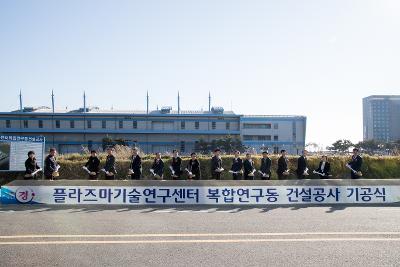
199	195
14	151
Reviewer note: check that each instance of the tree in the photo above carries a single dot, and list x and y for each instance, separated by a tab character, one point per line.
107	142
120	141
370	146
202	146
341	145
312	146
227	144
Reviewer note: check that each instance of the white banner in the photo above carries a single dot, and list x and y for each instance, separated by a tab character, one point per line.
14	151
199	195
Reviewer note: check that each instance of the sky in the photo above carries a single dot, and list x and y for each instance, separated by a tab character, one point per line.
287	57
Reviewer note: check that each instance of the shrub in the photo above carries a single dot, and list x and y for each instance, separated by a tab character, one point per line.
373	167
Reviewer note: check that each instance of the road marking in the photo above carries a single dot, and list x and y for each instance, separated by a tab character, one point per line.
198	235
71	242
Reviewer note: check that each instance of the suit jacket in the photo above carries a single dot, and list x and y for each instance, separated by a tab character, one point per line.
266	165
248	166
136	164
50	165
194	167
176	165
158	167
356	163
216	162
237	165
282	165
326	170
31	166
110	164
93	164
301	165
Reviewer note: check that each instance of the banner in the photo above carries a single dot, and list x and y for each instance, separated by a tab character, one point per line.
14	151
199	195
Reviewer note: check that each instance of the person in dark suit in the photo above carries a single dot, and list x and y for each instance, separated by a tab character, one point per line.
355	164
93	165
216	165
282	166
31	166
136	165
248	166
265	166
237	165
176	165
194	167
110	166
302	166
158	167
51	166
324	167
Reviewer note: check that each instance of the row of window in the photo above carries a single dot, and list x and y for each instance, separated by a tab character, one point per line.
260	126
260	137
120	124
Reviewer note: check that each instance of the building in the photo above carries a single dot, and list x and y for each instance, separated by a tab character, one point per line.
153	131
381	118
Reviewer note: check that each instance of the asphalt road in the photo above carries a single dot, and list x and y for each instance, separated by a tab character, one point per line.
199	236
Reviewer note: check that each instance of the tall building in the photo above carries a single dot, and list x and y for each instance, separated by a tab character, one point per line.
381	118
159	130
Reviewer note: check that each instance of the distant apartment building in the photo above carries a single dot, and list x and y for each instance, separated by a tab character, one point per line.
381	118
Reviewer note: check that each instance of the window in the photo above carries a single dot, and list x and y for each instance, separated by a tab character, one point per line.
247	137
89	124
40	123
183	125
257	125
196	125
228	125
276	138
8	124
121	124
257	137
213	125
134	126
182	146
103	124
276	126
57	124
72	124
25	124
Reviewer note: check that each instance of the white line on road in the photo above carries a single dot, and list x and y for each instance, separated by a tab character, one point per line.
71	242
198	235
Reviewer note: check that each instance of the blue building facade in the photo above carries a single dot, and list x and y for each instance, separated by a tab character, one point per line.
154	131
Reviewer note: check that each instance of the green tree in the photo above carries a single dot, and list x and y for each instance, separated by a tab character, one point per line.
202	146
120	141
227	144
370	146
341	145
107	142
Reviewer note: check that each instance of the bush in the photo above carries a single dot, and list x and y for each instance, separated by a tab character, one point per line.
373	167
